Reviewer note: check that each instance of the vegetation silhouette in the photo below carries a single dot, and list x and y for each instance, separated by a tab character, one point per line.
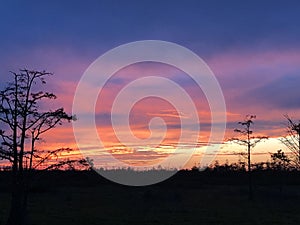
250	142
23	121
189	197
215	188
292	140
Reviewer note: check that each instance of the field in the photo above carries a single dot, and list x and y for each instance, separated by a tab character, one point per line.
71	198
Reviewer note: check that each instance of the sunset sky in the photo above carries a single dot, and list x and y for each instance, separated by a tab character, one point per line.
252	47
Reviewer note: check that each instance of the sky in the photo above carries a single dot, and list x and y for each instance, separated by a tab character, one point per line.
252	47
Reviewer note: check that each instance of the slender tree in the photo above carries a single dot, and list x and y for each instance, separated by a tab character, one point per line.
292	140
247	139
22	122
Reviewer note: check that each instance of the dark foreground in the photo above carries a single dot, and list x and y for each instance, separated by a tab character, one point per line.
77	198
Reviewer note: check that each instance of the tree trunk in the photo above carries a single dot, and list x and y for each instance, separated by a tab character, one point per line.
18	208
249	173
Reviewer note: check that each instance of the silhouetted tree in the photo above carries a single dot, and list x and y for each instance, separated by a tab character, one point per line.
248	140
292	140
22	122
280	163
280	160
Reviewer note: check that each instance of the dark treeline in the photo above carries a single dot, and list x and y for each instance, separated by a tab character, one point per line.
217	174
216	188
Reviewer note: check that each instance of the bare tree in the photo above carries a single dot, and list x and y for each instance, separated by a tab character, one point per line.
247	139
22	122
292	140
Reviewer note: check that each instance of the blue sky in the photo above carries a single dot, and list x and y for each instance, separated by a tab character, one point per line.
205	26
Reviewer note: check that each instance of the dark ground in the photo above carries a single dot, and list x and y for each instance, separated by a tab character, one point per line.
71	198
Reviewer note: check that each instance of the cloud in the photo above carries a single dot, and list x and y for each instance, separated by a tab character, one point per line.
283	93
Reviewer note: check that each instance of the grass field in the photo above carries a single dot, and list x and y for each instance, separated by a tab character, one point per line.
77	199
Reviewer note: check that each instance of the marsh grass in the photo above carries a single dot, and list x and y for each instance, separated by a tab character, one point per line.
83	201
